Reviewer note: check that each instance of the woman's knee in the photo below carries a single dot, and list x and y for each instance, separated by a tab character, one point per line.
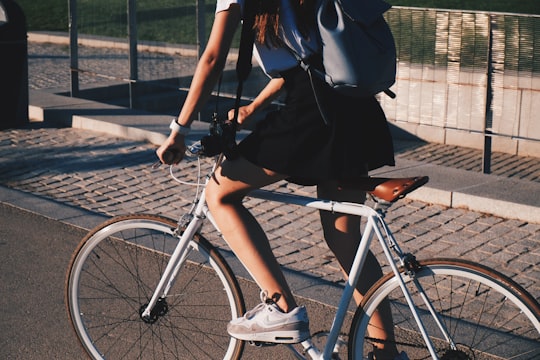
229	184
234	180
219	193
212	195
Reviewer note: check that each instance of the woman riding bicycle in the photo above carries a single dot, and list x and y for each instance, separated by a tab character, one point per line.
294	144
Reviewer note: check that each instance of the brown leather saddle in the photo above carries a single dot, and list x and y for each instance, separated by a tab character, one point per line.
390	189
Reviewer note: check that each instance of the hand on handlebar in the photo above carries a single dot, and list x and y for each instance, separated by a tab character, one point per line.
172	150
221	139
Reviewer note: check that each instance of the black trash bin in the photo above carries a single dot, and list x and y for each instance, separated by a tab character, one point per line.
13	66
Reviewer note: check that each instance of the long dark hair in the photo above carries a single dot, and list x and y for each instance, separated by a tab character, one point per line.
267	20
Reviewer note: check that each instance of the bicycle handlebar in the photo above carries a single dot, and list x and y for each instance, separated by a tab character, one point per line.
168	156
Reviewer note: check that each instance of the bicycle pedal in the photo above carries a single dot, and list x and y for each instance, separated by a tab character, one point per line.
261	344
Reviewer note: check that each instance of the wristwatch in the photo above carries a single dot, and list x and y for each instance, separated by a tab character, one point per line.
183	130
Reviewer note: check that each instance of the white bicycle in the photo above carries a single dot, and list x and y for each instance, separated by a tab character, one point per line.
147	287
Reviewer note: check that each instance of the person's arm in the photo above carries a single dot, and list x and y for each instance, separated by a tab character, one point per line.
207	73
265	98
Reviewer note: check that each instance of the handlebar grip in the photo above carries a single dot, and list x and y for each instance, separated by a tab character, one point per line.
168	156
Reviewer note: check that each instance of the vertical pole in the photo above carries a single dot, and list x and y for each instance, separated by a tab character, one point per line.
488	125
132	36
201	26
201	31
73	48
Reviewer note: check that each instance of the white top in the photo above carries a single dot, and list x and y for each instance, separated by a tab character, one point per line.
273	60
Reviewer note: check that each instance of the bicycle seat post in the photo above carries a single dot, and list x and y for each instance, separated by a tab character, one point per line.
381	206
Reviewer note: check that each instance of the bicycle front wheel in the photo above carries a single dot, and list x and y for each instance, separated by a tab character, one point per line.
114	272
484	314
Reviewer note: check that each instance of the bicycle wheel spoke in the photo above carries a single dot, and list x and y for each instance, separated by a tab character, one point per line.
113	277
480	310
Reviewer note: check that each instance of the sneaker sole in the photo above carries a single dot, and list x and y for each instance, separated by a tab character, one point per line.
281	337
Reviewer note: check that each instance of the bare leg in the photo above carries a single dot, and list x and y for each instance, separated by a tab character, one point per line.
224	195
342	234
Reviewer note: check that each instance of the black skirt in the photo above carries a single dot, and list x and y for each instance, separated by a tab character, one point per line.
295	140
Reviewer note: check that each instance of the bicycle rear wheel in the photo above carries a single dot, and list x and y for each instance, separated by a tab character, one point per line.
487	315
112	276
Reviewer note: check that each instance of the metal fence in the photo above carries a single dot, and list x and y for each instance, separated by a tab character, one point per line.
465	78
468	78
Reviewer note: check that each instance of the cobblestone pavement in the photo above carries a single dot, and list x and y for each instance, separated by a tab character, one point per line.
113	176
49	68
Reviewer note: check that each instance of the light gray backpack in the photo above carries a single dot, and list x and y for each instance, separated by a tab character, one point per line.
358	49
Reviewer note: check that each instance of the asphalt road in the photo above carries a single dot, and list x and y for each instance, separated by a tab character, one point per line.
34	254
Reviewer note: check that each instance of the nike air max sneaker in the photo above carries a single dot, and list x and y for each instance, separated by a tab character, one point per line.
267	323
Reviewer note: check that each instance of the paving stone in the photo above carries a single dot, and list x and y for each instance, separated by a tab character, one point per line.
112	176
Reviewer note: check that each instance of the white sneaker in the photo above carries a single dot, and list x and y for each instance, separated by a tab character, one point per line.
267	323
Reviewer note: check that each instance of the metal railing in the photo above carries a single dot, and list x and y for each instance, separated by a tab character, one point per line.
467	78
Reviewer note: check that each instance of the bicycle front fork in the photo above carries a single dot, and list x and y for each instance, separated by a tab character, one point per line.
166	281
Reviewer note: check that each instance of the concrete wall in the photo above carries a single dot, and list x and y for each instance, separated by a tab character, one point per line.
438	106
463	75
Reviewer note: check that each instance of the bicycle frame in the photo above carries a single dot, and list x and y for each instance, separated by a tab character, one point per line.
376	225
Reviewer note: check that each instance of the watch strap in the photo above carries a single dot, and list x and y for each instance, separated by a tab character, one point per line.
175	126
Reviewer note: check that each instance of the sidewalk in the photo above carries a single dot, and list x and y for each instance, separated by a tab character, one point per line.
100	167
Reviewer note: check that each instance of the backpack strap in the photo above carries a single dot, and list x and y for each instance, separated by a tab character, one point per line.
245	52
311	70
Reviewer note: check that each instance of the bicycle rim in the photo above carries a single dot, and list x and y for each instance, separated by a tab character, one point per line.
487	315
112	276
